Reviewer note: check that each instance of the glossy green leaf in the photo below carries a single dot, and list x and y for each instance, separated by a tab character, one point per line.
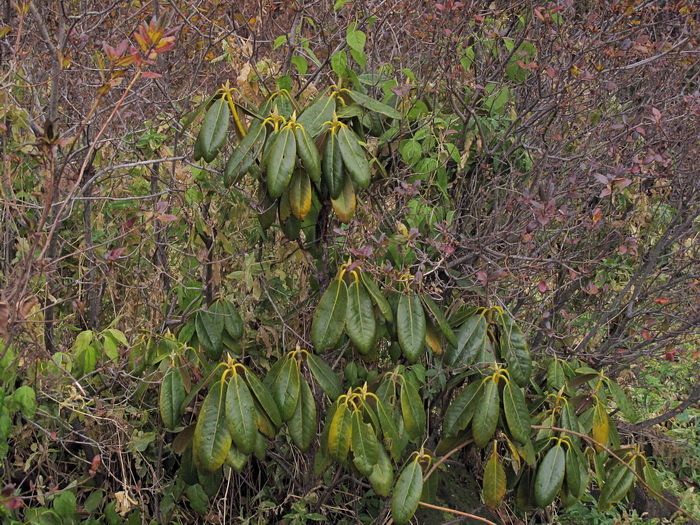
394	442
515	351
407	493
460	412
212	439
317	114
246	152
299	193
616	486
285	390
486	413
326	378
440	319
354	158
377	296
411	326
241	415
364	444
555	375
236	459
214	129
329	317
375	105
308	154
470	341
360	323
651	479
569	421
280	161
302	425
332	166
494	482
233	324
340	433
517	415
382	476
573	473
550	476
210	327
264	397
172	394
412	410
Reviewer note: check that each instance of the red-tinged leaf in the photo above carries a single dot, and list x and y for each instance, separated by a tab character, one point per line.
13	503
542	287
606	191
167	217
151	74
661	300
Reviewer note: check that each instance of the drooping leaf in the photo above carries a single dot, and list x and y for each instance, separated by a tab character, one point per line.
317	114
329	317
470	340
210	327
308	154
285	390
354	158
621	401
264	397
394	442
236	459
340	433
440	319
382	476
412	410
326	378
432	338
573	473
364	444
600	431
300	194
214	129
651	479
555	375
172	394
377	297
569	421
246	152
517	415
212	439
515	351
494	482
486	413
344	206
407	493
618	483
550	476
302	425
332	166
360	323
280	161
411	326
241	415
460	412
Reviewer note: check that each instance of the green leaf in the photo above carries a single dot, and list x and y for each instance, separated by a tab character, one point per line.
241	415
214	129
332	166
82	341
440	319
299	194
302	425
340	433
621	401
470	341
517	415
93	501
354	158
550	476
569	421
172	394
486	414
394	442
651	479
65	505
339	63
326	378
573	473
25	398
411	326
374	105
377	296
344	206
317	114
329	317
494	482
407	492
360	323
412	410
212	439
210	328
285	390
233	324
279	164
356	39
198	499
263	396
245	153
308	153
616	486
364	444
555	375
382	476
515	351
460	412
